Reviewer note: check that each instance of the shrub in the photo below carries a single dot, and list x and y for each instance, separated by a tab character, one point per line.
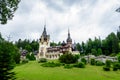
68	66
75	65
92	61
116	66
67	58
80	65
84	60
112	55
99	63
106	68
41	60
62	64
77	56
118	58
25	61
108	63
50	64
30	56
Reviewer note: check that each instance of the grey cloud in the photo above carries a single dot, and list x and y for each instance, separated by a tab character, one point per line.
79	2
72	2
111	20
83	23
53	5
67	4
25	6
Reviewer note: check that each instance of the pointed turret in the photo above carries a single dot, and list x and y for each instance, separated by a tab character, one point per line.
44	43
69	42
44	32
69	38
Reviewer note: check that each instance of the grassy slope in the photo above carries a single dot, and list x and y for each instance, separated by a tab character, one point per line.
33	71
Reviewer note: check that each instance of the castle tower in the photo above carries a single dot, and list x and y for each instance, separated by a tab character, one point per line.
43	44
69	41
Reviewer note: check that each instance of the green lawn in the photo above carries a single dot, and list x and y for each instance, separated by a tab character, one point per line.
33	71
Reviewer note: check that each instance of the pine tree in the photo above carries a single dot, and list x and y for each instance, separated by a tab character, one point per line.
6	61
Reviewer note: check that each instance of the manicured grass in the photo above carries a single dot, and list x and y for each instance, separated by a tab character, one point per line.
33	71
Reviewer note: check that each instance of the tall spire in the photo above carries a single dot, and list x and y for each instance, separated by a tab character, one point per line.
44	31
68	33
69	38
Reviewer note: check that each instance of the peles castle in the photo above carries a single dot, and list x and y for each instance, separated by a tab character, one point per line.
54	52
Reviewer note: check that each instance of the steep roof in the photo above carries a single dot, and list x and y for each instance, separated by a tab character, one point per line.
69	38
44	32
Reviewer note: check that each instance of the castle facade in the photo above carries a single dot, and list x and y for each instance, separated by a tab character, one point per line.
50	52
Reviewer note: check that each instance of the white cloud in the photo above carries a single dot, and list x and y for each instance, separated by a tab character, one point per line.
85	18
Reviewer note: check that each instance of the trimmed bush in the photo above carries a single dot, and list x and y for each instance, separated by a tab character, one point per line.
116	66
92	61
62	64
106	68
25	61
108	63
84	60
68	58
99	63
77	56
118	58
68	66
30	56
42	60
51	64
80	65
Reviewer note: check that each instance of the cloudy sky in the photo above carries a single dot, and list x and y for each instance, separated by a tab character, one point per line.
85	19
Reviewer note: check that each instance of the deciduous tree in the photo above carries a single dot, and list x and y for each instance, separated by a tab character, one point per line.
7	9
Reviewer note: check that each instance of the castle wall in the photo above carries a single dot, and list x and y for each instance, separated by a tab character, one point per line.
53	55
45	51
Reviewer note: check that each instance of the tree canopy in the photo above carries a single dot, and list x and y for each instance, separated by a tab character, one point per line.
28	45
109	45
9	56
7	9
